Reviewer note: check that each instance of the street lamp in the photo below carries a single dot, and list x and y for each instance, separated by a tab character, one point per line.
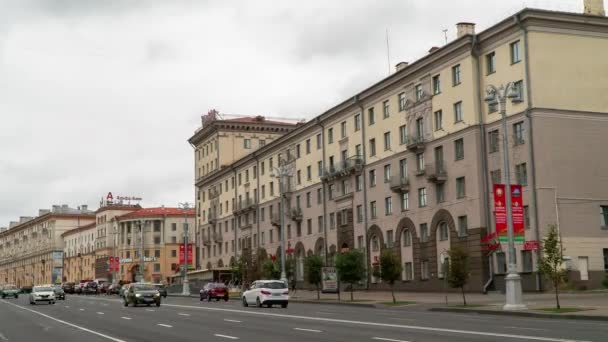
140	272
186	285
498	96
282	173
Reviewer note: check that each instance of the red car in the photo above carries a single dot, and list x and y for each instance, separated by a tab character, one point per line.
214	290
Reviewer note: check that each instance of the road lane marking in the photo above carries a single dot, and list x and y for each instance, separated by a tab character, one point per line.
325	313
3	338
99	313
388	339
125	317
226	336
232	320
151	310
67	323
81	309
309	330
386	325
67	307
526	328
184	314
165	325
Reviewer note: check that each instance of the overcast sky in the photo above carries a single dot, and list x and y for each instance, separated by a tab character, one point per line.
101	95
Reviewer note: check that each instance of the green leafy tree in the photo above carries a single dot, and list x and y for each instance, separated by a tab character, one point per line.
312	268
271	270
551	263
237	270
350	268
390	269
458	269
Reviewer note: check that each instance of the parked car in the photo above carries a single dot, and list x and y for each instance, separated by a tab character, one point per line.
215	291
90	288
124	289
266	292
141	293
113	289
162	289
10	291
59	292
103	287
68	287
42	294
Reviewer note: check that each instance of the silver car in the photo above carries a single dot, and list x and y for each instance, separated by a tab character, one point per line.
42	294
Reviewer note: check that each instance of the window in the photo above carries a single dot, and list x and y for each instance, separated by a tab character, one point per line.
359	183
387	173
173	253
491	63
407	238
493	135
424	232
518	133
501	263
424	270
419	128
319	141
298	151
319	196
526	217
420	161
521	174
320	168
157	253
408	273
263	191
605	259
345	187
604	217
157	240
358	151
403	168
436	85
343	129
372	178
262	142
492	107
371	117
440	192
462	226
343	217
320	224
385	109
173	227
357	122
173	239
309	173
359	213
299	176
270	166
526	259
402	101
332	221
330	191
271	188
372	208
418	91
387	141
309	226
456	75
389	239
443	231
438	120
247	143
330	136
308	200
372	147
271	235
515	52
405	201
307	146
458	111
519	89
388	206
402	135
375	243
262	215
460	187
459	149
422	197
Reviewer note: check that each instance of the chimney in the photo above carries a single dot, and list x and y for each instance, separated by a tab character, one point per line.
43	212
433	49
84	207
12	224
465	28
401	66
594	7
56	208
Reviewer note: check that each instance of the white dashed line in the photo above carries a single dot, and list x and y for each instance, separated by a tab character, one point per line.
325	313
387	339
67	307
226	336
81	309
151	310
165	325
525	328
184	314
125	317
100	313
309	330
232	320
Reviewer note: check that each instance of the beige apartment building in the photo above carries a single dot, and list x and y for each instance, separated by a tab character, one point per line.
31	250
408	163
79	253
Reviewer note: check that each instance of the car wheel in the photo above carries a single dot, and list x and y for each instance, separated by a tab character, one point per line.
32	303
268	305
202	298
16	296
126	303
158	304
217	299
284	305
225	298
245	304
53	303
258	303
208	298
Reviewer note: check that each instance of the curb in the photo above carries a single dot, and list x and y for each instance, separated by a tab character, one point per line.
521	314
361	305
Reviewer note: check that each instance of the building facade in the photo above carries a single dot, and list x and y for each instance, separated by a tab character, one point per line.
79	253
31	250
408	164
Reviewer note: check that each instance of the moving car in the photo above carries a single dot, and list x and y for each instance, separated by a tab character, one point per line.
10	291
142	293
267	292
162	289
123	289
43	293
215	291
59	292
68	287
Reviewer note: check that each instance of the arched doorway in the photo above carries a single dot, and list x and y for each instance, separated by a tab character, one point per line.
376	244
300	254
134	271
407	241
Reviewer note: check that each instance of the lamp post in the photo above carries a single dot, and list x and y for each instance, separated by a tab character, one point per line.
140	272
498	96
186	285
282	173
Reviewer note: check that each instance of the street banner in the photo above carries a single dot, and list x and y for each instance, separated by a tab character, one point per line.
329	280
500	212
111	264
531	245
182	257
57	275
517	211
57	259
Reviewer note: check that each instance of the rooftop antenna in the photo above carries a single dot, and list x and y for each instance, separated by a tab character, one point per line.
388	52
445	34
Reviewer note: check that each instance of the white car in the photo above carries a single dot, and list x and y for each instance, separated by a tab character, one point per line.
266	292
42	294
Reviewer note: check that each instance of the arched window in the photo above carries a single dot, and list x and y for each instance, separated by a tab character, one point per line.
375	243
407	238
443	231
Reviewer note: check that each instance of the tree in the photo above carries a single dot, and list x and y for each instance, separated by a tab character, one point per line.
237	271
312	268
458	269
551	263
350	268
390	269
270	270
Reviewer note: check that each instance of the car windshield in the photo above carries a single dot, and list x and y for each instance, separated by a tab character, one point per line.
43	289
10	288
276	285
159	286
143	287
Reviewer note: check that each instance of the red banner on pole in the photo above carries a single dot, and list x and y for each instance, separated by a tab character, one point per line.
117	264
111	264
517	211
181	254
531	245
500	211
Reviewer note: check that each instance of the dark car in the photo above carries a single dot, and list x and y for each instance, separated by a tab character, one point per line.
103	287
215	291
140	293
90	288
113	289
59	292
162	289
10	291
68	287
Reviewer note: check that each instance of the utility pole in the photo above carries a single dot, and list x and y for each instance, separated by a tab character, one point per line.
142	223
283	173
186	285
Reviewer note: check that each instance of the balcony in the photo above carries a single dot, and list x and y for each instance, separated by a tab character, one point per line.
245	205
345	168
206	241
415	143
436	173
400	184
212	218
218	237
296	214
275	220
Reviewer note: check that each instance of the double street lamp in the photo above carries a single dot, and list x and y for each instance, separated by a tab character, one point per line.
185	283
499	96
283	173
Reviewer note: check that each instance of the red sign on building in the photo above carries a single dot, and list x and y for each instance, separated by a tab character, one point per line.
114	264
181	254
500	211
517	211
531	245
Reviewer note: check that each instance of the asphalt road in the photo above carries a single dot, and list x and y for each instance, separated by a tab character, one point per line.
104	318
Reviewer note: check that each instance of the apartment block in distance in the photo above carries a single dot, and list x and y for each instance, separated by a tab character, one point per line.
408	164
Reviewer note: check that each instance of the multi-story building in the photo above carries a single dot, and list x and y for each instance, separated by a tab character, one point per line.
79	253
408	163
158	243
31	250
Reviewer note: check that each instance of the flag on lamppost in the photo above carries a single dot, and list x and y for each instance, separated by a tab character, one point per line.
517	212
500	212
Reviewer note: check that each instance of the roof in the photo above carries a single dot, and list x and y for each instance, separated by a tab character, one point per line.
79	229
258	119
154	212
